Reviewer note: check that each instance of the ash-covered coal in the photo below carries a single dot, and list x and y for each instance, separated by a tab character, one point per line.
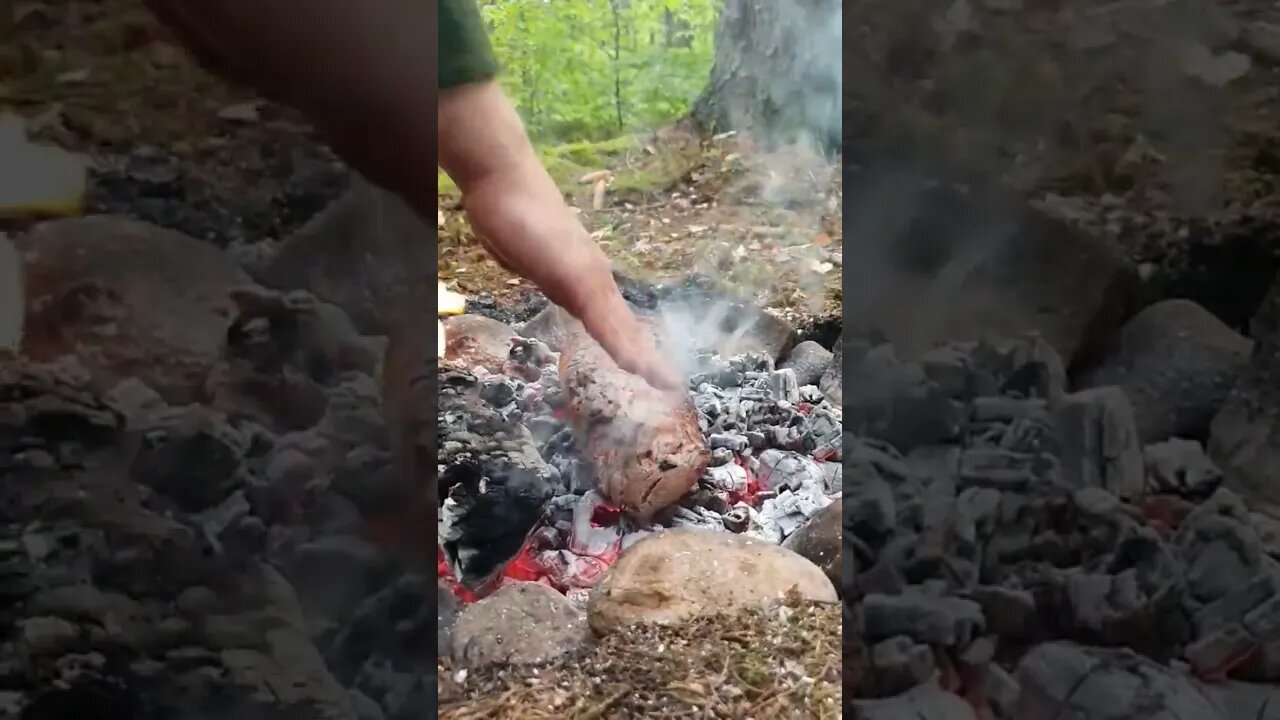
1012	544
533	502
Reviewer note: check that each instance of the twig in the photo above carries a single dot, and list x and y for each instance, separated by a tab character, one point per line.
597	712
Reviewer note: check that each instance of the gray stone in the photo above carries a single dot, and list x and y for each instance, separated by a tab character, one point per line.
781	470
1176	362
721	456
979	654
818	541
1263	621
522	623
809	361
1099	442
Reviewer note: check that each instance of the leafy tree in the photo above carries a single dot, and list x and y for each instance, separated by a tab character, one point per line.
592	69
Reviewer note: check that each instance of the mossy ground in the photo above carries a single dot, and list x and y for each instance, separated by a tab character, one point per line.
638	166
775	664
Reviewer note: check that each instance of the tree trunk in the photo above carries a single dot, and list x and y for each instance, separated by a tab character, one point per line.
777	72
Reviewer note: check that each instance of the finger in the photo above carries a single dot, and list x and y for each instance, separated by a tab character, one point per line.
648	364
663	377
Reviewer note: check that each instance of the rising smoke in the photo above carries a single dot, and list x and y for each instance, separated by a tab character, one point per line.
776	81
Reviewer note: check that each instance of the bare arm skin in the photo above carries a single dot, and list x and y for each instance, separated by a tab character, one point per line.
525	223
364	73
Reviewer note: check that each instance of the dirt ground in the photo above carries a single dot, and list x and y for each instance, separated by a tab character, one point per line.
765	226
784	663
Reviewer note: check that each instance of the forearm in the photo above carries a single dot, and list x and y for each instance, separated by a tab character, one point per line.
514	205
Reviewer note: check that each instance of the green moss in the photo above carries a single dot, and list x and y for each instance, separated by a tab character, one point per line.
658	172
596	154
445	186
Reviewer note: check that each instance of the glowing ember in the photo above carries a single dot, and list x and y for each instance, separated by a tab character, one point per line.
592	549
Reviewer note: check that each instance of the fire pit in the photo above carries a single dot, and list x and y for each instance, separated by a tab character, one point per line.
542	455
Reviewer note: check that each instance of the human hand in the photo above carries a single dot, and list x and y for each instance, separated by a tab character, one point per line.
608	318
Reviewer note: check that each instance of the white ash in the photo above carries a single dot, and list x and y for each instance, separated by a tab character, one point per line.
780	516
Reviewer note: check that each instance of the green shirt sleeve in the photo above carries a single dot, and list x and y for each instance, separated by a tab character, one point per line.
465	53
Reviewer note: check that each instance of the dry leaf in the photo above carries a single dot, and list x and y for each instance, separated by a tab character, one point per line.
513	281
822	240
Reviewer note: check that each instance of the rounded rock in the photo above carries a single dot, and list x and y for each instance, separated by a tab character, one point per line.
675	575
1177	364
521	624
810	362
